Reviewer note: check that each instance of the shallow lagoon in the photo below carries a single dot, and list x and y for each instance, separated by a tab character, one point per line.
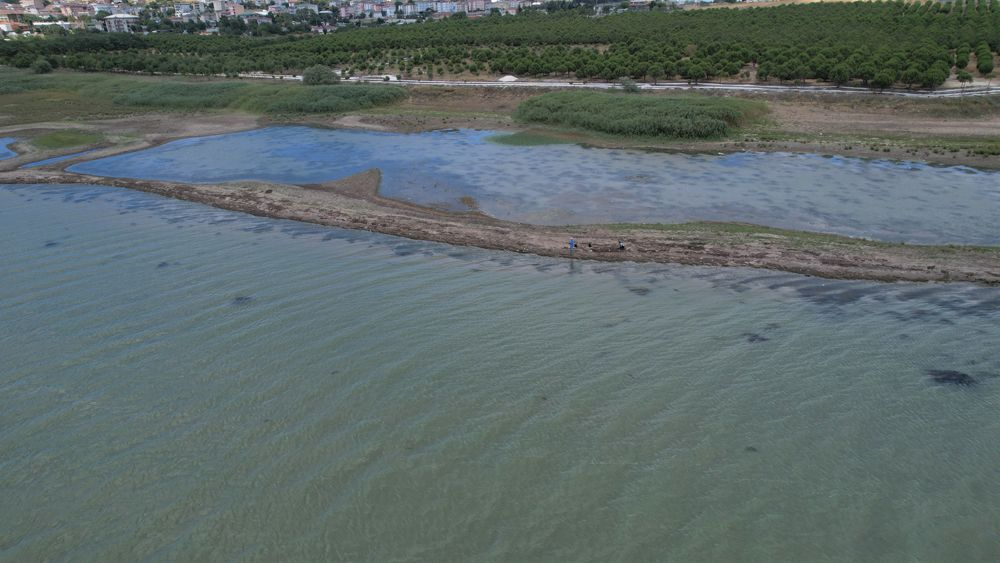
56	159
5	150
181	382
570	184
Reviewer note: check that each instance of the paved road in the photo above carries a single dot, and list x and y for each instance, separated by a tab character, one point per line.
762	88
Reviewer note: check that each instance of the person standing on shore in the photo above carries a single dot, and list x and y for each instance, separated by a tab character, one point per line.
572	245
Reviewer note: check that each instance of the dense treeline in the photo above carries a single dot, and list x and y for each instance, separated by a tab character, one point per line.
876	43
686	117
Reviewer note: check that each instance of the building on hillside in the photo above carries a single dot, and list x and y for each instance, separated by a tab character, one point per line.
73	10
295	7
260	18
228	9
42	27
12	20
32	6
121	23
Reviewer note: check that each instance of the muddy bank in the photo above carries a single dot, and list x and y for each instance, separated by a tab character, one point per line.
867	127
355	203
809	143
120	135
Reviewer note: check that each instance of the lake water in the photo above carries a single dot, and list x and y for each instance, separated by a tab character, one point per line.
5	150
570	184
185	383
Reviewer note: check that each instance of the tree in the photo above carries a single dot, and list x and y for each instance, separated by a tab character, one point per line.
964	78
985	65
840	75
319	74
883	79
41	66
911	76
657	72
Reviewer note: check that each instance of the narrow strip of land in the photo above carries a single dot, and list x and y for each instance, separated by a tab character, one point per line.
354	203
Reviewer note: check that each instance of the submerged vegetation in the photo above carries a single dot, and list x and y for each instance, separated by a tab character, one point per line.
687	117
874	43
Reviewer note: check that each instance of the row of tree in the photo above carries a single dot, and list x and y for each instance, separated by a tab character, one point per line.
876	43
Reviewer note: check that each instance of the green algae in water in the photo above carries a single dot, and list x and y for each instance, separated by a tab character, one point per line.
526	139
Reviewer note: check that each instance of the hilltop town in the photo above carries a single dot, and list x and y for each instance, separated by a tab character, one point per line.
237	17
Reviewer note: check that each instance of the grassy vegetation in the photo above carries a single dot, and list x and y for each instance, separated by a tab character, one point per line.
804	238
720	228
65	139
264	98
26	97
675	117
526	139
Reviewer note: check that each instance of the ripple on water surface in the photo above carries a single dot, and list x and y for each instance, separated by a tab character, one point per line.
183	382
570	184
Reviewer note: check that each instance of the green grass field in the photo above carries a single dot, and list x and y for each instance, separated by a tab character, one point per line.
66	139
27	98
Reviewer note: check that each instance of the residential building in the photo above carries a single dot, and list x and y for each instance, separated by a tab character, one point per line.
12	20
32	6
121	23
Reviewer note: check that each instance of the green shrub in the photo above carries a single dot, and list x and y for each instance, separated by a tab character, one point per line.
692	117
628	85
41	66
319	74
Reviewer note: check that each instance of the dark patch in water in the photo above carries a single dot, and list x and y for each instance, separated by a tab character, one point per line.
262	228
241	300
162	264
51	243
753	337
640	290
751	449
951	377
544	398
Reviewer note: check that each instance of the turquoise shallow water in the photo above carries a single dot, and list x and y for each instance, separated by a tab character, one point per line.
183	383
570	184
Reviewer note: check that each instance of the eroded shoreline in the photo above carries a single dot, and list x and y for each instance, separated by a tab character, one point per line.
354	203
